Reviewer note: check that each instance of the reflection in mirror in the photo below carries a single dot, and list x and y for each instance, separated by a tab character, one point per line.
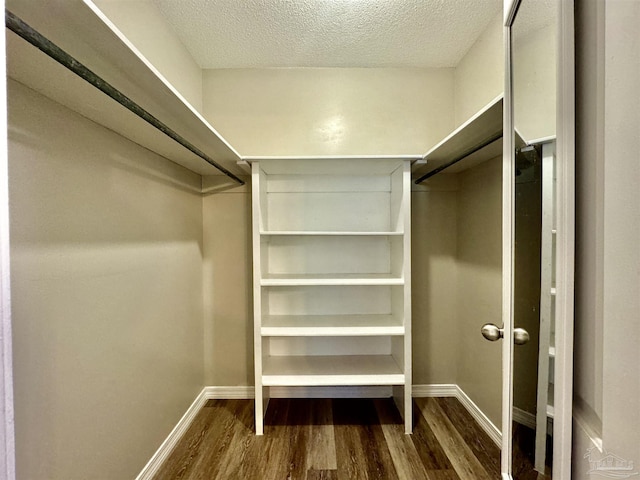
533	50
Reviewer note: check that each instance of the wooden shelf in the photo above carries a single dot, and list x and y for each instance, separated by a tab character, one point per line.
95	42
330	234
331	325
283	280
331	370
335	164
476	131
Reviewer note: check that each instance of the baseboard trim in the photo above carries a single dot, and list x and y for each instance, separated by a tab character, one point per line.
453	390
248	392
435	390
158	458
524	418
418	391
593	433
238	392
487	425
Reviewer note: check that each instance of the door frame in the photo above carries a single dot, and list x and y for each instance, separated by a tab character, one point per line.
508	242
565	241
7	437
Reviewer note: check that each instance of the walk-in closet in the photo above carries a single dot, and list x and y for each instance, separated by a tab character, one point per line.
261	239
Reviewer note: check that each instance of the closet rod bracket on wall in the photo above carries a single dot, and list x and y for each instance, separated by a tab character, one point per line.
26	32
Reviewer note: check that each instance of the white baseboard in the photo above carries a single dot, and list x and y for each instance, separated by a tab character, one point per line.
248	392
487	425
432	390
239	392
524	418
453	390
158	458
435	390
585	422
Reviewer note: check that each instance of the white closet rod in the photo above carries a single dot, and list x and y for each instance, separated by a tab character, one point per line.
26	32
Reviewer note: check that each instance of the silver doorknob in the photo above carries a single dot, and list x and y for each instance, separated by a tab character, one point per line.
492	333
520	336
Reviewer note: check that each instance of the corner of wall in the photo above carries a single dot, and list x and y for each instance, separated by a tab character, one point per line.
479	284
479	76
147	29
227	299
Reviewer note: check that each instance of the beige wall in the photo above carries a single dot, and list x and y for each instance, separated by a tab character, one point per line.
434	207
479	284
106	291
534	82
478	79
608	229
330	111
589	210
145	27
479	76
228	288
621	272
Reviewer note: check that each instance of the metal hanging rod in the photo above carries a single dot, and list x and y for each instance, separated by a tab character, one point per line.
20	28
472	150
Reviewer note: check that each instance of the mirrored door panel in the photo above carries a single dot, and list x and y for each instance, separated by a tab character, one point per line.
533	50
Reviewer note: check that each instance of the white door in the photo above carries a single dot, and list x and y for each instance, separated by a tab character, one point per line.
538	209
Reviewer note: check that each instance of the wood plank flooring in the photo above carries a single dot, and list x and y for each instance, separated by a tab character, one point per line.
333	439
524	440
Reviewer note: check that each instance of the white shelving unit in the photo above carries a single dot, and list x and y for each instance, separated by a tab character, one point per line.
332	276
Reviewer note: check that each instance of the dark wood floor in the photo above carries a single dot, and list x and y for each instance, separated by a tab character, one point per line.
524	445
325	439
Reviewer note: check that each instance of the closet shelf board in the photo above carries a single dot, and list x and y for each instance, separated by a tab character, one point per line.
334	164
283	280
81	30
331	325
301	233
464	140
331	370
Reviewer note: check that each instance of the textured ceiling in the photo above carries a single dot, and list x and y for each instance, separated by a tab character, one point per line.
328	33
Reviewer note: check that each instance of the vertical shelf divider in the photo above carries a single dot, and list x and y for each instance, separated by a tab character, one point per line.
261	395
